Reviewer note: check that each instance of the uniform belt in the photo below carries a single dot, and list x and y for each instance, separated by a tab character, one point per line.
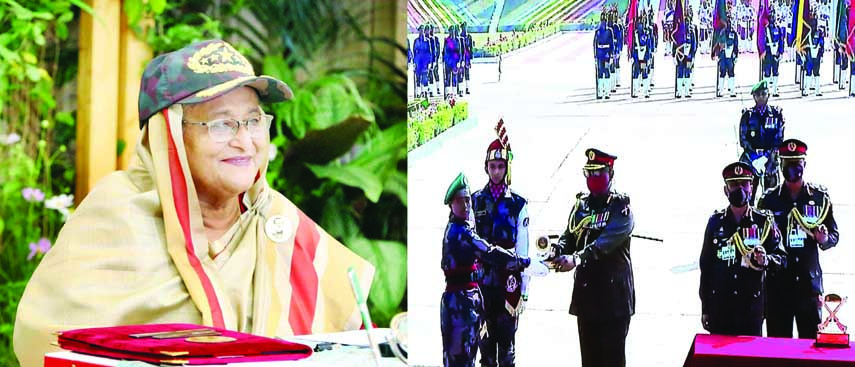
603	46
504	244
463	275
459	279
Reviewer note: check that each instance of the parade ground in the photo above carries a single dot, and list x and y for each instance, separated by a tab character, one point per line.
670	157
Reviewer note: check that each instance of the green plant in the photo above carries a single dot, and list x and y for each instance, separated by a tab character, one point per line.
340	142
36	165
426	122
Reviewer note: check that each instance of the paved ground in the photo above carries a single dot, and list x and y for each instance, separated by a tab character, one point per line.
671	153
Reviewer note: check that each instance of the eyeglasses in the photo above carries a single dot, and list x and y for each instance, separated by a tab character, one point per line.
224	130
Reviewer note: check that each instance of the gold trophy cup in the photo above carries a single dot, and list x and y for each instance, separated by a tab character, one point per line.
832	333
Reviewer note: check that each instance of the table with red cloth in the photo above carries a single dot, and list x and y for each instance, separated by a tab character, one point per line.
737	351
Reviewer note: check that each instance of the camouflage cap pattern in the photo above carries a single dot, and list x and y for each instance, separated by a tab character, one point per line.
200	72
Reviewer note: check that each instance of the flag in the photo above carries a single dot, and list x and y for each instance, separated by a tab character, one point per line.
631	15
679	32
801	29
719	25
834	21
762	22
850	38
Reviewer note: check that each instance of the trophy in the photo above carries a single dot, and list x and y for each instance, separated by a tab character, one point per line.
832	333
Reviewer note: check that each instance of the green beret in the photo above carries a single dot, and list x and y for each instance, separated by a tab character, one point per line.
760	87
459	183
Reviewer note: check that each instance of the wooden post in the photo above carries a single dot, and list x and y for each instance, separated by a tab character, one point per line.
97	89
134	53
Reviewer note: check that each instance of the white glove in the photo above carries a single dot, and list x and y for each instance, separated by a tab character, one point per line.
760	164
537	269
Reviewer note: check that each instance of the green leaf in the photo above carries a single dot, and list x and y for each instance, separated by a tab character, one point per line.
8	55
2	225
390	279
33	73
351	176
337	222
157	6
133	10
322	146
396	184
277	67
82	5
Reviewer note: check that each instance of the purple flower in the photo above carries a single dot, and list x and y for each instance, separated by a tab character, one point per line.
41	247
10	139
33	195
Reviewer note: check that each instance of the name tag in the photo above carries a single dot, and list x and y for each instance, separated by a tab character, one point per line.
796	238
727	253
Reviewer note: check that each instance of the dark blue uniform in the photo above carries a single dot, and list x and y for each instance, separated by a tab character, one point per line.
761	132
642	51
422	56
793	292
727	61
451	59
434	66
732	291
685	57
815	49
774	49
467	57
603	48
502	222
599	230
462	306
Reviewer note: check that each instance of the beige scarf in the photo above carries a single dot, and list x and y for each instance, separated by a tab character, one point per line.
136	252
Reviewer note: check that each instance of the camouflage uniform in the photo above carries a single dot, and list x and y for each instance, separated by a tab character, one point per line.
462	305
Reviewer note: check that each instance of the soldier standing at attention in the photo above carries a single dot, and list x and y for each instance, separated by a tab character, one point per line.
740	244
804	216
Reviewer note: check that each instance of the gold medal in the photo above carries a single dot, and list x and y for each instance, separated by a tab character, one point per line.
210	339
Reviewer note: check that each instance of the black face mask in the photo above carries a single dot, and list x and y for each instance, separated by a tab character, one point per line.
793	173
737	198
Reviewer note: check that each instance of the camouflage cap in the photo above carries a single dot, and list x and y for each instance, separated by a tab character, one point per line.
200	72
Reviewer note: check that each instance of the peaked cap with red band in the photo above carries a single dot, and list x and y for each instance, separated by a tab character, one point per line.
792	149
598	159
737	171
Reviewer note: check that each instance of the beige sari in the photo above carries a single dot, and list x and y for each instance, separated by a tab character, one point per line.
135	252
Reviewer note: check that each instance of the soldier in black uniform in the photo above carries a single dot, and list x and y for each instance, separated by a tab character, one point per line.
435	50
805	218
596	244
462	307
740	244
761	132
501	218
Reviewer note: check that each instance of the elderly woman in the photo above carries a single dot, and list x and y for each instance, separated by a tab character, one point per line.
191	232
